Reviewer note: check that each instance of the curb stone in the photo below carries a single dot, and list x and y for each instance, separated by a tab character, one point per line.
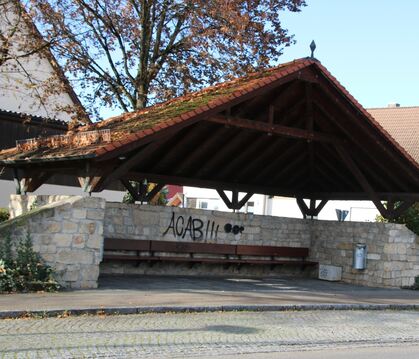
10	314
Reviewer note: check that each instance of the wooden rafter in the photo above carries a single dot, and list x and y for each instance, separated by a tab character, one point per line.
29	180
332	118
234	203
285	131
334	96
283	157
313	210
362	180
140	194
230	146
212	138
242	157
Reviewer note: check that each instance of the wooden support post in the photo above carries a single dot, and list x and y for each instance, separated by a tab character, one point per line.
234	204
131	189
303	207
150	195
16	180
362	180
313	211
394	211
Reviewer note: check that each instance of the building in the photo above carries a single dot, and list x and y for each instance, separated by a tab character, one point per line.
36	98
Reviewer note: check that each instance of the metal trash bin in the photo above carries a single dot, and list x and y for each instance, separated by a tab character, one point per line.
360	256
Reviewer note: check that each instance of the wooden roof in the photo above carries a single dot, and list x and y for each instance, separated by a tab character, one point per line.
292	130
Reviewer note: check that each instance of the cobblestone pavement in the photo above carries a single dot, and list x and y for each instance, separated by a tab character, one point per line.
203	334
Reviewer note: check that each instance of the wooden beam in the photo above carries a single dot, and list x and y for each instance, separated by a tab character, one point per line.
366	153
235	199
283	157
211	139
225	199
302	206
288	168
150	195
321	205
131	189
16	180
182	147
129	163
261	159
33	180
347	159
233	144
378	138
285	131
313	211
245	199
242	156
394	212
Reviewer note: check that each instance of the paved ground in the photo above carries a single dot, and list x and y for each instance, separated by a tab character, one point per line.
402	351
173	292
207	334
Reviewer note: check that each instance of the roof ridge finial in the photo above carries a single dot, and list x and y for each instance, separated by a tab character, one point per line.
312	48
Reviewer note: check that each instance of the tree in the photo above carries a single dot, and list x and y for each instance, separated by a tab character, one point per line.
131	53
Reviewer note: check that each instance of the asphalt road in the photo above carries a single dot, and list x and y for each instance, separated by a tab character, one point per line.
206	334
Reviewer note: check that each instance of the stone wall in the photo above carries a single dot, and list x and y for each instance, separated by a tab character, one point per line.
171	224
19	205
68	234
393	251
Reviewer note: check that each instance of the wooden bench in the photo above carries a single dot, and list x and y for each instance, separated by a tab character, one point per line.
164	251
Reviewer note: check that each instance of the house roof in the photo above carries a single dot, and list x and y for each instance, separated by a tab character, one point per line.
130	127
292	130
402	123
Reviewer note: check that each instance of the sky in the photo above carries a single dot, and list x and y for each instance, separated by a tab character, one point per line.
370	46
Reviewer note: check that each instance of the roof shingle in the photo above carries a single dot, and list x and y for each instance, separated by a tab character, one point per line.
402	123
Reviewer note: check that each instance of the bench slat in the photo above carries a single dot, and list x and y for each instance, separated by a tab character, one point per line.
185	247
126	244
292	252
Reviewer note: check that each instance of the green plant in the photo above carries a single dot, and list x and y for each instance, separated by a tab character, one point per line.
22	269
4	214
160	199
410	218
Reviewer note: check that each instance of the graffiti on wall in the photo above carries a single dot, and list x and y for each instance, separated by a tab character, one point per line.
197	229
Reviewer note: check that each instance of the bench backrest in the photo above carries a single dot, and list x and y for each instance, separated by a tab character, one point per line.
188	247
271	251
112	244
204	248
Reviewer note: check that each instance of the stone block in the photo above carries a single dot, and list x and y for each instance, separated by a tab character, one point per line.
79	213
87	227
75	256
89	273
79	240
51	227
63	239
69	227
96	214
94	241
70	275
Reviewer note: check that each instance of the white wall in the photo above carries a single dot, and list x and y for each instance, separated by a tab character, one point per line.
24	82
360	211
7	188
